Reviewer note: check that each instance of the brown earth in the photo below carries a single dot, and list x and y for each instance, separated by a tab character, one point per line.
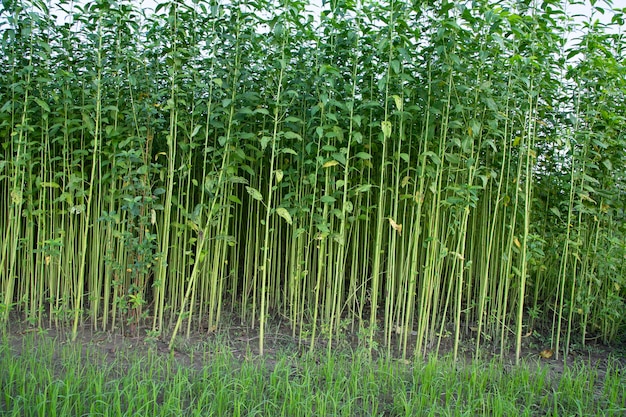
243	343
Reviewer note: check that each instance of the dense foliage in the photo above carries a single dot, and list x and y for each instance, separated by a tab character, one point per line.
407	169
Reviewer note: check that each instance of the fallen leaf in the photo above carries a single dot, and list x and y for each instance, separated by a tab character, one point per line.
546	353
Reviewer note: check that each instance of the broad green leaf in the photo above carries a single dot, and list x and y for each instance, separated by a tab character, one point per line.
395	65
238	180
254	193
282	212
264	141
292	119
398	101
474	128
433	156
339	157
42	104
195	131
292	135
452	158
386	128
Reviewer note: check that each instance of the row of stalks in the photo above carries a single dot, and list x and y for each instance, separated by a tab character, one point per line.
418	173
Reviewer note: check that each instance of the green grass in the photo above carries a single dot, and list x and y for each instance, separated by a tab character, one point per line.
42	376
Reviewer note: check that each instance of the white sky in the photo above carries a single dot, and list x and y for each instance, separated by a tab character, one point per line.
584	9
582	12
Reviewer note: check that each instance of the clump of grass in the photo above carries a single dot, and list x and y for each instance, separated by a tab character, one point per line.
42	376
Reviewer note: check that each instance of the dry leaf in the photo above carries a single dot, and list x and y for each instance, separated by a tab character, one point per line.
458	256
397	227
546	353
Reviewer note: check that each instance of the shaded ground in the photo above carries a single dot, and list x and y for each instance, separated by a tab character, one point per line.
243	343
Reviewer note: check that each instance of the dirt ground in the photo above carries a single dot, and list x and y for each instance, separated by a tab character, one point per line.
243	343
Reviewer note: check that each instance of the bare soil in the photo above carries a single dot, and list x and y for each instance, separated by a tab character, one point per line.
242	342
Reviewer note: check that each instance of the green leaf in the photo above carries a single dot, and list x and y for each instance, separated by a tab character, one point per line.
395	65
452	158
292	119
327	199
292	135
363	155
254	193
234	199
339	157
238	180
386	128
195	131
398	101
433	156
264	141
42	104
282	212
